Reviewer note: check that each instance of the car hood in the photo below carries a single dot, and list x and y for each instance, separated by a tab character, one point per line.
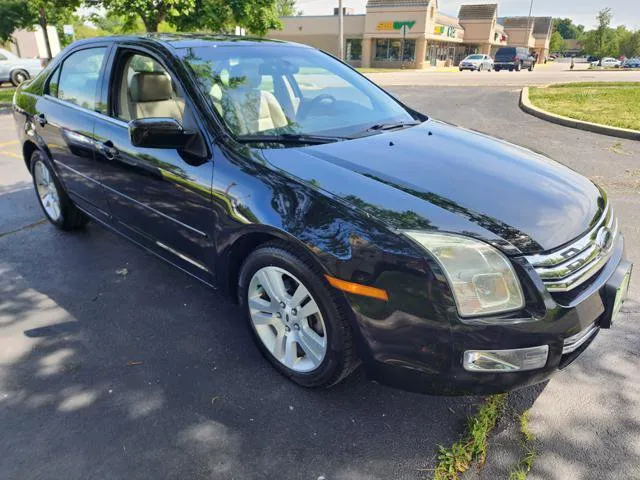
438	176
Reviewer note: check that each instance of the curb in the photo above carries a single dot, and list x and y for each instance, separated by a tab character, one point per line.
527	106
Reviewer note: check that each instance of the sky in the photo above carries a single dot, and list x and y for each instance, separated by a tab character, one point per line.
625	12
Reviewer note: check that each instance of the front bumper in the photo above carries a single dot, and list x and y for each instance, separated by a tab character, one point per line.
567	325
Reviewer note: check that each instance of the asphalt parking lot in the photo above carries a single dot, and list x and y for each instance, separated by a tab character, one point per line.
114	365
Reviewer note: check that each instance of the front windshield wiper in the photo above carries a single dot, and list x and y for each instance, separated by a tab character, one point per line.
380	127
289	138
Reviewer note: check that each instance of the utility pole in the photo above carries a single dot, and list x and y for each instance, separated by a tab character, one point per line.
340	30
529	20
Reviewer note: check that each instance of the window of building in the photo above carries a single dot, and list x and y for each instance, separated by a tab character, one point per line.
389	50
354	49
79	74
409	51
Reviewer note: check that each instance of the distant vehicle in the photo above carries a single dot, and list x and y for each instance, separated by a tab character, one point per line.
632	63
15	69
477	62
513	58
607	62
592	59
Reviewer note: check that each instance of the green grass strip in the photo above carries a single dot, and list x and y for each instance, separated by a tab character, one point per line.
472	447
6	95
528	451
613	104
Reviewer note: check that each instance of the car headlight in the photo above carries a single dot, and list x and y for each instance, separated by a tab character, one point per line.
482	279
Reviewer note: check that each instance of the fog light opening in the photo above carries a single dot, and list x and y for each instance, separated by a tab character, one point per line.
504	361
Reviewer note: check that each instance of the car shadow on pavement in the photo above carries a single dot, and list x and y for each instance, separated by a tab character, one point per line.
115	365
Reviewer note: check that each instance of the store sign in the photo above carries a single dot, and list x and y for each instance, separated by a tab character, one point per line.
445	31
395	25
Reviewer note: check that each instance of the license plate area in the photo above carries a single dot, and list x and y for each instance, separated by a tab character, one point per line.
615	292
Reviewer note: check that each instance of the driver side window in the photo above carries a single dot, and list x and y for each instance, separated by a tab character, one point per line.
146	90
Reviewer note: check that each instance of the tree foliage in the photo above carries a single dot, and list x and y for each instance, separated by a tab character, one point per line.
567	29
257	16
287	8
557	43
605	41
15	15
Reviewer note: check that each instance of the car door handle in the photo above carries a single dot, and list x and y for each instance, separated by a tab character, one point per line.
108	149
42	119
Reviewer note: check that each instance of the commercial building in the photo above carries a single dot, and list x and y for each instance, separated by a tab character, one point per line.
416	34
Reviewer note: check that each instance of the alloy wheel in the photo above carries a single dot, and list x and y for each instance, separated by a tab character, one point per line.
47	190
287	319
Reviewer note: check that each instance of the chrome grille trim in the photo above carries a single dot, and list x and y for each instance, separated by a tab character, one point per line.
571	344
571	266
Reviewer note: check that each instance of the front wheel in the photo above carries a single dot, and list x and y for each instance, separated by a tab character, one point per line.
18	76
55	202
296	318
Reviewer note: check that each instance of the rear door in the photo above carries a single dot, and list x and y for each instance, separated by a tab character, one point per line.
161	197
65	120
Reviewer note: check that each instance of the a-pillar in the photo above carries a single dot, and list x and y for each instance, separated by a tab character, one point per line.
421	52
366	52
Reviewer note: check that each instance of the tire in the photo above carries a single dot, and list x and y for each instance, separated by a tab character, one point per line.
496	69
49	191
18	76
270	329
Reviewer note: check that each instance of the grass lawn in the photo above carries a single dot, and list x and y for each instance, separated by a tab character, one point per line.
6	95
616	104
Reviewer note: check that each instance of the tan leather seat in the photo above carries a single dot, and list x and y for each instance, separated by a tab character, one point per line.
245	107
152	96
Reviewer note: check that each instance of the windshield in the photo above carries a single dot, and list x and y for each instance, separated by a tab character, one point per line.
474	57
277	90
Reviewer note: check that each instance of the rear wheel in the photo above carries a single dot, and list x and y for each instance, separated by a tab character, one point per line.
54	201
18	76
296	319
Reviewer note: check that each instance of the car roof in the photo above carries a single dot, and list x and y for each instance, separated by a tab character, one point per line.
189	40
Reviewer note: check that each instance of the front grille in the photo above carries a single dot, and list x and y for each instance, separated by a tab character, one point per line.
572	265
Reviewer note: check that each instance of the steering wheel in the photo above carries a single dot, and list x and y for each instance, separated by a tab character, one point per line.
323	99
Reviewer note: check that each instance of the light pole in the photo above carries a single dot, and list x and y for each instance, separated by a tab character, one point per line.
340	31
529	21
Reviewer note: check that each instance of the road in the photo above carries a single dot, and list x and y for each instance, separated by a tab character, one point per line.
139	373
541	75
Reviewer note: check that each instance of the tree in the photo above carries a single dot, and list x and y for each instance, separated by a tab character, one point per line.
14	15
287	8
17	14
257	16
603	33
557	43
567	29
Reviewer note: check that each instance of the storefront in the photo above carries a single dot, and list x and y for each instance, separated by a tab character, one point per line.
411	34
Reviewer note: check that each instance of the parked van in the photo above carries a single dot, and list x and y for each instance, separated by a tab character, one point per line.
514	58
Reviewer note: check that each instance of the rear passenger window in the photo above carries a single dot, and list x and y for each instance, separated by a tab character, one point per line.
78	79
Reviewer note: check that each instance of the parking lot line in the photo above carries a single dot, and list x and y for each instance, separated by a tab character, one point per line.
10	142
10	154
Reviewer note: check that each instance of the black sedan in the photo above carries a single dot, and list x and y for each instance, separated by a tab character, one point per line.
352	229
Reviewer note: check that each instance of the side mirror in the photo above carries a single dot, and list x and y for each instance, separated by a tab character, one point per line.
158	133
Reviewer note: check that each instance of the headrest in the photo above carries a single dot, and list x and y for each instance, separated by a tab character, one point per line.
249	72
150	87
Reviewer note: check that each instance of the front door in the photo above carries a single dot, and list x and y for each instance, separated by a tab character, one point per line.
433	55
65	120
161	197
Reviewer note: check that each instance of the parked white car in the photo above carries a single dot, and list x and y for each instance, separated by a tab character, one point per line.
607	62
477	62
15	69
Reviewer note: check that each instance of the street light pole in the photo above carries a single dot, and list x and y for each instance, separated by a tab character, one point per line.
529	20
340	30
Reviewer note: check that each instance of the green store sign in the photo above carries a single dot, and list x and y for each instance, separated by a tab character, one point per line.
397	25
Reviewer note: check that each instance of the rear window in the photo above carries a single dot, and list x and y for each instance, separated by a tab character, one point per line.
506	52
